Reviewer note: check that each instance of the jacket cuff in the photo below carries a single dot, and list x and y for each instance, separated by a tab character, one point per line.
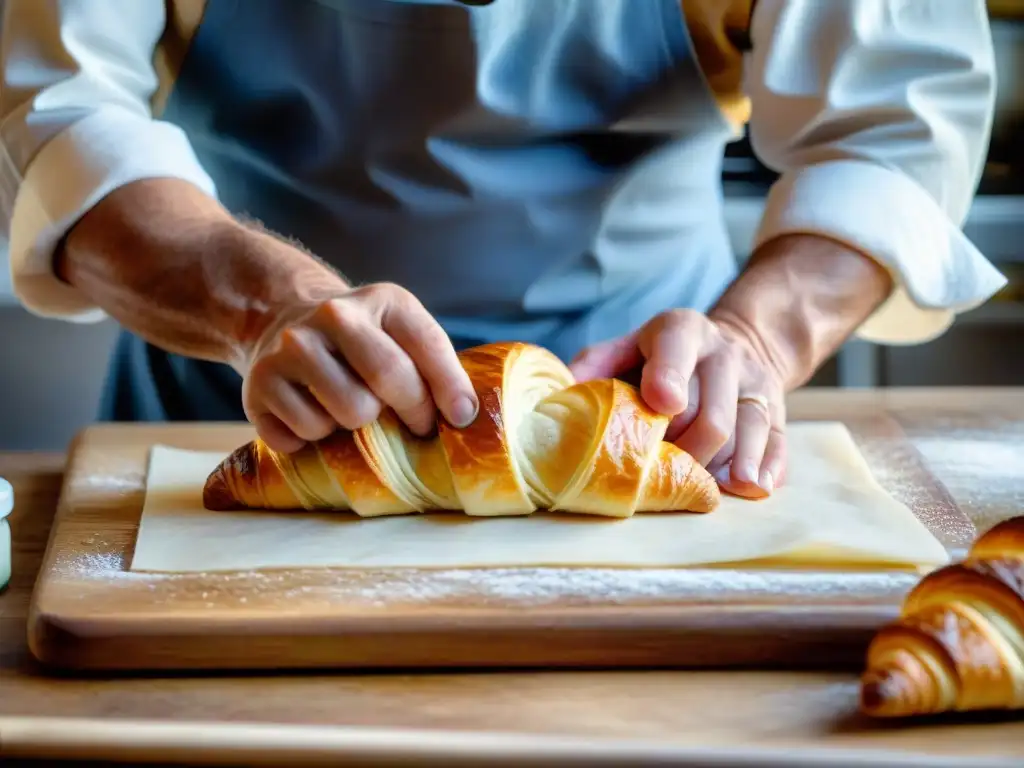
937	272
72	173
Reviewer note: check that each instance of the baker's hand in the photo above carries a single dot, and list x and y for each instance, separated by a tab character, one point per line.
726	398
338	363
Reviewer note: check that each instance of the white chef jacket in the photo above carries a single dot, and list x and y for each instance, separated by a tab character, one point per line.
876	113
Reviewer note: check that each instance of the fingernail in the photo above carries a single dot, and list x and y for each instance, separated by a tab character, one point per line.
464	411
745	473
723	475
767	482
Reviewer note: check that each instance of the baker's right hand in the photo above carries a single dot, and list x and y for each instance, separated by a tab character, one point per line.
338	363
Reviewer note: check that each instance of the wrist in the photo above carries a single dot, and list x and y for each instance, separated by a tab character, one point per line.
171	264
274	282
798	300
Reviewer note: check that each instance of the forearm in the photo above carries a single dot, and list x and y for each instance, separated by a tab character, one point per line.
169	263
799	299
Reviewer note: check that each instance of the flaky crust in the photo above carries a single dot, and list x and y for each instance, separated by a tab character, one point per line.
959	642
541	441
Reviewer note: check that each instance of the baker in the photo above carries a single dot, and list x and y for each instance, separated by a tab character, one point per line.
299	210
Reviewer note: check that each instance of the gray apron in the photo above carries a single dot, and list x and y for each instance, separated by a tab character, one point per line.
541	170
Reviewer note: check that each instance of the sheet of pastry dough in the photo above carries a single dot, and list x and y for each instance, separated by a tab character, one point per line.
831	511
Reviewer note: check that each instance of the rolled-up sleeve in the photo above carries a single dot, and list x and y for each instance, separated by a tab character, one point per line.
877	116
78	77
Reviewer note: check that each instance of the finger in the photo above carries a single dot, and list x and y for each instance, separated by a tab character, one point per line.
299	412
682	422
310	362
607	360
716	419
276	434
773	466
671	344
776	456
389	373
719	466
753	428
431	351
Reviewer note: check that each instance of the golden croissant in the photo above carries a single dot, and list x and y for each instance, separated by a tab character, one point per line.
540	441
959	642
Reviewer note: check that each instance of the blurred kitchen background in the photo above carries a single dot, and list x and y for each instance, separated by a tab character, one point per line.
51	372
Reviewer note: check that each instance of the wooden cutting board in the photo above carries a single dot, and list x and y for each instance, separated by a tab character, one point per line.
89	612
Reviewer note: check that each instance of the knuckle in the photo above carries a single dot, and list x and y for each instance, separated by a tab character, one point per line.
368	291
338	313
298	343
687	315
390	294
399	294
663	322
680	318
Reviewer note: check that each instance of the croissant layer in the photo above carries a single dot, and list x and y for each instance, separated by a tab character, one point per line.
540	441
959	642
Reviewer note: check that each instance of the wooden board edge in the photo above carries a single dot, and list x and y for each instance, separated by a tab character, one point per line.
778	637
136	741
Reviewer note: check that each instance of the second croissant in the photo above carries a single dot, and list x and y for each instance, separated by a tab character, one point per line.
959	643
541	441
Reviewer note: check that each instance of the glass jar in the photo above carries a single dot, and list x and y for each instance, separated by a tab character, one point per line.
6	505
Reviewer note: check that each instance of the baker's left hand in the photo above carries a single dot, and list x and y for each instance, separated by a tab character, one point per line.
714	377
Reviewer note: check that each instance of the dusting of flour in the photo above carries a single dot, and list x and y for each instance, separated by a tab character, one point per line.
502	587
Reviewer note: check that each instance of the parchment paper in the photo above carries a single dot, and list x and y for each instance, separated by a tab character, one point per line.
830	512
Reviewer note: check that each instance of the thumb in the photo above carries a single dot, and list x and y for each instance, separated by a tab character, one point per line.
607	359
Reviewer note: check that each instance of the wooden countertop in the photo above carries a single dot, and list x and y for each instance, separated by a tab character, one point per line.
972	439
